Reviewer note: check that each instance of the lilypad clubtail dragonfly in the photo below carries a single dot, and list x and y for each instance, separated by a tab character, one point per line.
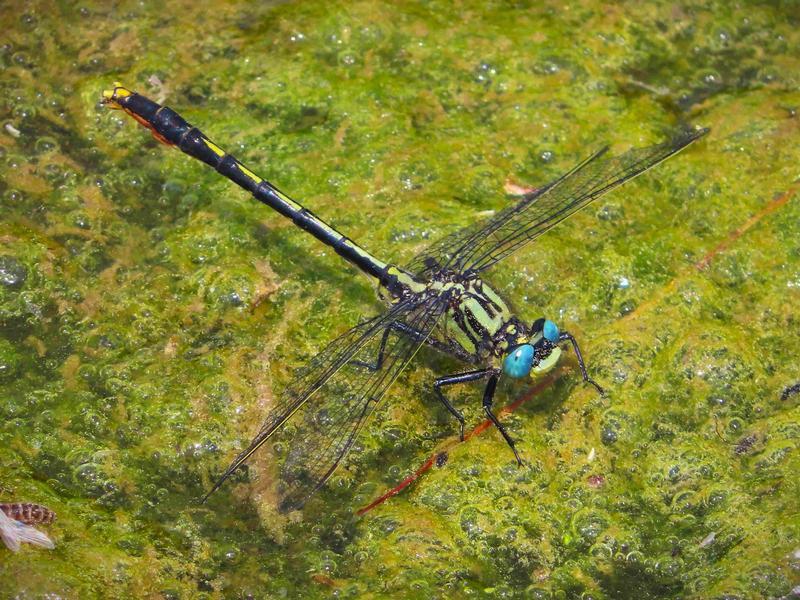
439	299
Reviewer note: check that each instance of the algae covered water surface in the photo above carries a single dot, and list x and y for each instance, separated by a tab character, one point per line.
150	312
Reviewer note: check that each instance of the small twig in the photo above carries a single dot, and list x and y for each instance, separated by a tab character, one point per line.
440	458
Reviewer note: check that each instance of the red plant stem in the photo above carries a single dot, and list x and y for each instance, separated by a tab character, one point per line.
426	466
700	265
771	206
399	487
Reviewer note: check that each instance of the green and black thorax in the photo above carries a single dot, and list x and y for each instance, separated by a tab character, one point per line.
477	318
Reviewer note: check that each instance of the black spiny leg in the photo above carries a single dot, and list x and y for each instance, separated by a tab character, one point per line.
452	380
378	359
407	330
488	399
568	337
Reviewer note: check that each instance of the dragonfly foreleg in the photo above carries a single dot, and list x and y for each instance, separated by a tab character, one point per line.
565	336
488	400
452	380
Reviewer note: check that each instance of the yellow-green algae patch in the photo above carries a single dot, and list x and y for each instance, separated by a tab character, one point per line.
150	312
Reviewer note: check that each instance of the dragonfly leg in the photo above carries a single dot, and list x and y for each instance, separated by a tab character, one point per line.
379	359
452	380
449	349
568	337
488	400
409	331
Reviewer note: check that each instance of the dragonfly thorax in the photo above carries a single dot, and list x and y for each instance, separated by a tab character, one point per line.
480	322
478	319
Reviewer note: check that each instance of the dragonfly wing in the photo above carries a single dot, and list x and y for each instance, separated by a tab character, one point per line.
446	251
323	378
330	422
478	247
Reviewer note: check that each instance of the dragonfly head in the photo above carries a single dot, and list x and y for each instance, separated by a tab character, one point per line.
539	354
519	361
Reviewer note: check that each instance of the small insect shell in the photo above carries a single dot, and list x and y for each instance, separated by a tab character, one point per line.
28	513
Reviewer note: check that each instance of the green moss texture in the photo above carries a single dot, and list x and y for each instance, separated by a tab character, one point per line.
150	311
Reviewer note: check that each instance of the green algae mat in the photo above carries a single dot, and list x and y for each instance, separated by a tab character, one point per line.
150	313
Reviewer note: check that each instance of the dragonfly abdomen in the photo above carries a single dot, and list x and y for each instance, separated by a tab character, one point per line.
170	128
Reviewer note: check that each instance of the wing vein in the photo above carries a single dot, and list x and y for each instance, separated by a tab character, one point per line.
480	246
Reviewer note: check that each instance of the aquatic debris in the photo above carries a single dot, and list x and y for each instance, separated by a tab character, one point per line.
12	272
596	481
12	131
323	580
790	391
513	189
745	444
28	513
16	525
709	539
658	91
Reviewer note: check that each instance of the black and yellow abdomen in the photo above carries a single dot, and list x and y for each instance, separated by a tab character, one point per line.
170	128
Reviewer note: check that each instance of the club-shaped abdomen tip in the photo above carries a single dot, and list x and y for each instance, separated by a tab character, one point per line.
118	91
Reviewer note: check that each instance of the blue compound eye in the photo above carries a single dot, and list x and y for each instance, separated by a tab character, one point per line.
550	331
519	361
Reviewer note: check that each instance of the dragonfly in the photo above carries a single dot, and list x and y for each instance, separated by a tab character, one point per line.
439	300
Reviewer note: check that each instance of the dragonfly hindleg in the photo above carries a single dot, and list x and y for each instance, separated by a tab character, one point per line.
418	336
381	351
488	400
568	337
452	380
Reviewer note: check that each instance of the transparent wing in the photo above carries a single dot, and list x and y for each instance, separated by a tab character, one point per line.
445	251
330	422
480	246
334	394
